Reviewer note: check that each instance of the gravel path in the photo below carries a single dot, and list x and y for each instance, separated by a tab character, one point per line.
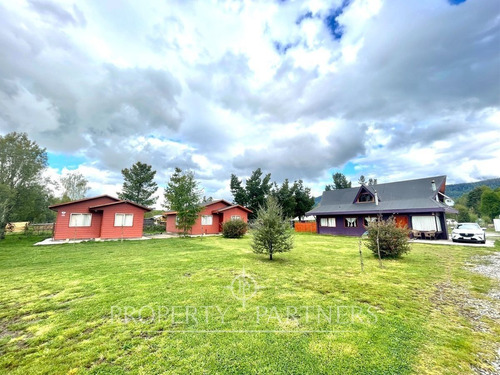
488	266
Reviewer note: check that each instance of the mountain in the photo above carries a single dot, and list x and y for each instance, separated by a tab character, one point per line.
457	190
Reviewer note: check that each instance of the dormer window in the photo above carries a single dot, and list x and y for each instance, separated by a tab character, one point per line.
365	197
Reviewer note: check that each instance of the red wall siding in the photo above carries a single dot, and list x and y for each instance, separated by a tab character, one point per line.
197	227
63	231
108	229
235	211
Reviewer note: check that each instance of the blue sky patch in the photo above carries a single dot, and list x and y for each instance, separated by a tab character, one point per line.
335	28
60	161
281	47
456	2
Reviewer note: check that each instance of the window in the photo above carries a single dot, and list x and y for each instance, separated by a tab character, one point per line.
235	217
80	220
365	197
426	223
206	220
124	220
369	219
350	222
328	222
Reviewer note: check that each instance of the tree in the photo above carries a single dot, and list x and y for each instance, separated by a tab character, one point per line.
372	181
239	194
272	234
183	196
75	186
386	239
473	198
303	200
463	215
32	203
21	164
362	180
255	192
339	182
285	198
139	185
490	203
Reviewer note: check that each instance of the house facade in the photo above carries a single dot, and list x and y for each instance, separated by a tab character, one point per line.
101	217
419	204
211	217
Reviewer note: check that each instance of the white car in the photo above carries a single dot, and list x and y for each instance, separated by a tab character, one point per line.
468	232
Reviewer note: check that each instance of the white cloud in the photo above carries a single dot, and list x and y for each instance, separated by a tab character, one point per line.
409	89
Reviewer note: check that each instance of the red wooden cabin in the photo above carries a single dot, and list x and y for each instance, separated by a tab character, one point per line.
211	217
101	217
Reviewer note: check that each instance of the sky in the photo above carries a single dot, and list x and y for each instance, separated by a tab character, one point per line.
392	90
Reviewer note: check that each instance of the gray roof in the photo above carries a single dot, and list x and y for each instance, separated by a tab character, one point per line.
395	197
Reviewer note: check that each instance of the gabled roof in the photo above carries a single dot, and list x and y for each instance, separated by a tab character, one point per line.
83	200
402	196
97	207
209	203
206	204
231	207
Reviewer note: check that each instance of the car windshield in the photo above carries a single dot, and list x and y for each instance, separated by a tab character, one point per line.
468	226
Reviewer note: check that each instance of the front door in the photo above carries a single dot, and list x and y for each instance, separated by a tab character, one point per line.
401	221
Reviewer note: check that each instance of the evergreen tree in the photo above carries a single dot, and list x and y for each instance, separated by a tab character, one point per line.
285	198
139	185
339	182
272	233
183	196
362	180
239	194
303	199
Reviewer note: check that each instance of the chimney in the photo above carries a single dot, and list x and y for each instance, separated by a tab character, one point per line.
376	198
433	185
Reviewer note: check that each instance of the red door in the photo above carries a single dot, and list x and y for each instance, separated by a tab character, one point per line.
401	221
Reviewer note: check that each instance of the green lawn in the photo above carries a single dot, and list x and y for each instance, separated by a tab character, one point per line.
106	308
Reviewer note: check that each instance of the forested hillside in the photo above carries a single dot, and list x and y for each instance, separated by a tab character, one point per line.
457	190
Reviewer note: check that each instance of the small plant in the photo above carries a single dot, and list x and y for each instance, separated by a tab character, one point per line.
234	228
386	239
272	233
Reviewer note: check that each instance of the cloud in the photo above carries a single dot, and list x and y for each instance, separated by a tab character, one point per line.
395	89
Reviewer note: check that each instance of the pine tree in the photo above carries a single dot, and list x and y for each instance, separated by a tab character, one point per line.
272	233
139	185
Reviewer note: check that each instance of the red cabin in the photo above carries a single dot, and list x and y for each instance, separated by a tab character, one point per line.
101	217
211	217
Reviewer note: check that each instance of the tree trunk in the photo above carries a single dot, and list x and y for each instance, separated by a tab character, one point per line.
270	256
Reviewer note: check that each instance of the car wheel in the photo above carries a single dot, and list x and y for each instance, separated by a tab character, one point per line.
454	240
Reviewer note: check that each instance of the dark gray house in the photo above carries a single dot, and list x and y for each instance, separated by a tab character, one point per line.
418	204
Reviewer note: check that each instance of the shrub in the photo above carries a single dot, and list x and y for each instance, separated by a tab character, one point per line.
234	228
392	239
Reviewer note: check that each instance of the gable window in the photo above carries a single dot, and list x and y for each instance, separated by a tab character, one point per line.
206	220
328	222
235	217
369	219
365	197
351	222
80	220
124	220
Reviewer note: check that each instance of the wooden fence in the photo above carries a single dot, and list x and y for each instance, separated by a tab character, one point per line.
306	227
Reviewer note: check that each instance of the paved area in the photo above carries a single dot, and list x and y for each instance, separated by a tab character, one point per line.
489	243
50	241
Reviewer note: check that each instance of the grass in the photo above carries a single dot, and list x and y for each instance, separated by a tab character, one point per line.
76	308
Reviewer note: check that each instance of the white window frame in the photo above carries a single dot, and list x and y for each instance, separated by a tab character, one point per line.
350	219
328	222
127	220
207	220
80	222
235	217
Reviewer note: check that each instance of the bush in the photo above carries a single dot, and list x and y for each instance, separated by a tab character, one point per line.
393	240
234	228
150	229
